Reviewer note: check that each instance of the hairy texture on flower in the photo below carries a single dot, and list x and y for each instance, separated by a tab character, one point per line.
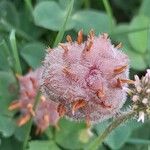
46	115
29	88
86	79
141	96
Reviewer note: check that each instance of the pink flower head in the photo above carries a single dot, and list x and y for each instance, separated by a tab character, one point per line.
46	115
29	88
86	79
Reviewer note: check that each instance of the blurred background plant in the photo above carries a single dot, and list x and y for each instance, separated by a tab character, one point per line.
28	27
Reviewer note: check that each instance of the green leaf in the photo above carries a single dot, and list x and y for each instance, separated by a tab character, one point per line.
100	127
10	144
49	15
66	19
8	91
27	27
77	4
130	146
43	145
118	137
20	132
91	19
138	132
139	39
7	126
144	9
4	56
69	134
137	60
147	55
33	54
138	141
8	12
9	19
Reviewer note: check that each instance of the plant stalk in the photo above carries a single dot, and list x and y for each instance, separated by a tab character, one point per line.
98	141
29	125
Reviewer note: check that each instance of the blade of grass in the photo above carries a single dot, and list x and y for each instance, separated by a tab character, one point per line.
15	52
109	13
62	30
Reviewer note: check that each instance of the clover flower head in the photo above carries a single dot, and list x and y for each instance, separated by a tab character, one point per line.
29	87
46	114
141	96
86	79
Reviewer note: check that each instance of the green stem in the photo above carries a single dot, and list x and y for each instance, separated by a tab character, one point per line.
28	129
15	52
98	141
29	125
29	5
62	31
109	13
86	3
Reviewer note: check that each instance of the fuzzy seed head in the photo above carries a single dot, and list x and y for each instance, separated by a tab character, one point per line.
86	78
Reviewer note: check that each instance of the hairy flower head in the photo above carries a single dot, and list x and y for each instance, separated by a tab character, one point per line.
86	79
46	114
29	88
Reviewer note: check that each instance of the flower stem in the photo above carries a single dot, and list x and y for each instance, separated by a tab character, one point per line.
86	4
109	13
29	125
63	28
29	5
98	141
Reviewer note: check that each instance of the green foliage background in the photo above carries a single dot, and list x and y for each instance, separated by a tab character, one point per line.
28	27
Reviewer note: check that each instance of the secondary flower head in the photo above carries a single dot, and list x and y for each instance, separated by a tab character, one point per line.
86	79
46	114
141	96
29	88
